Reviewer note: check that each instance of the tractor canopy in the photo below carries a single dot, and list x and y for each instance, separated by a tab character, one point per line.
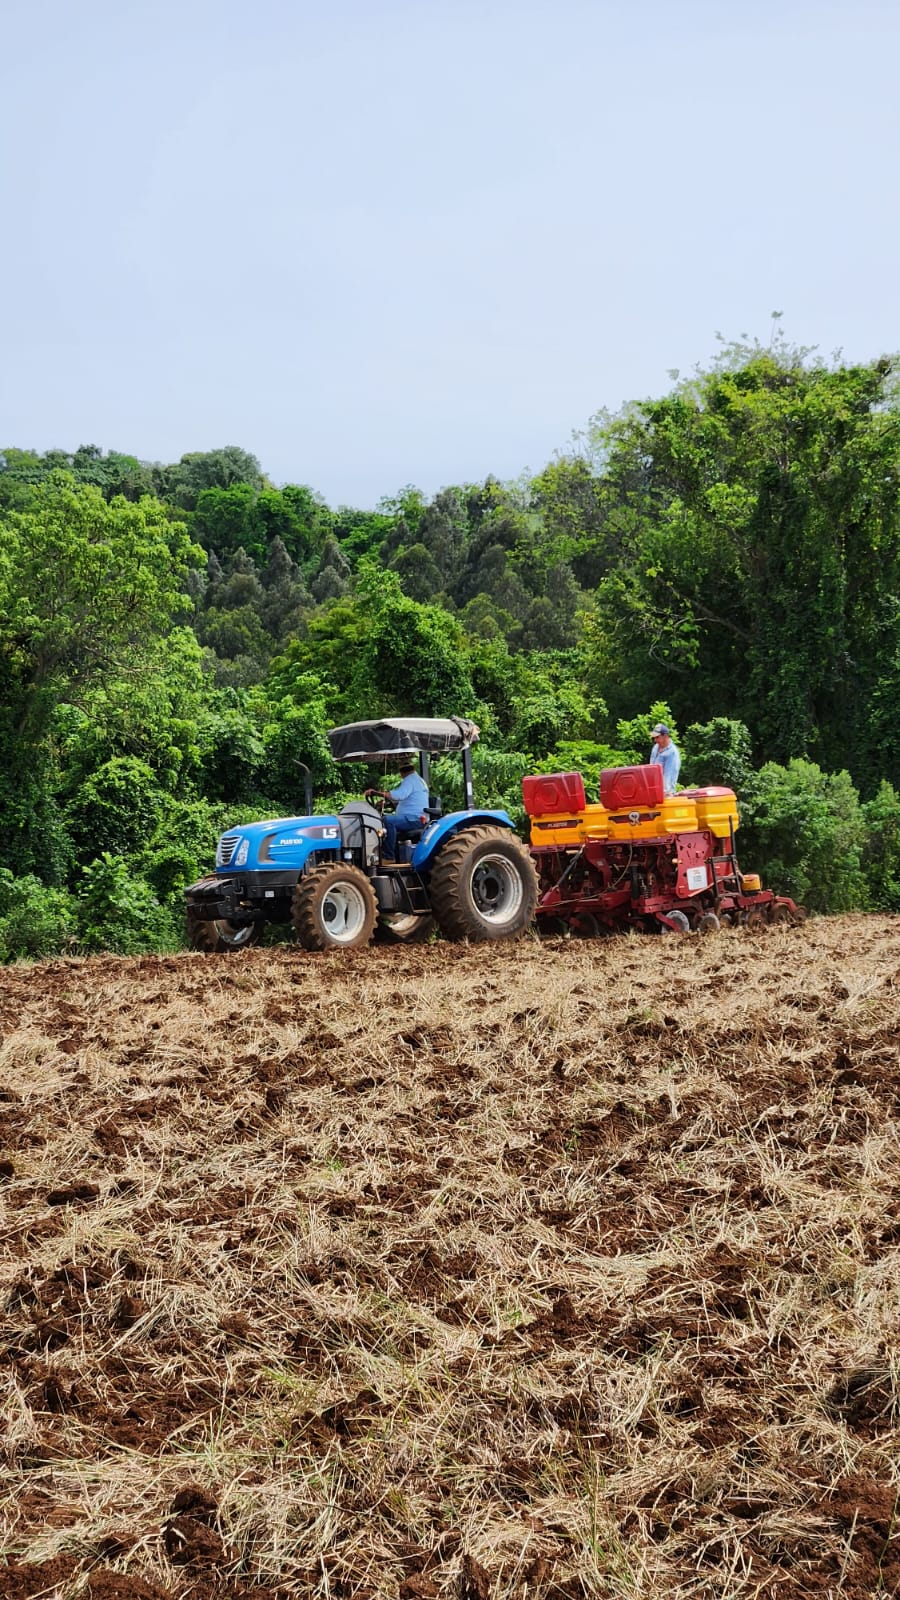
401	736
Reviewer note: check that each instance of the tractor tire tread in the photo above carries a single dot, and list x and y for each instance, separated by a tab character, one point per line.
448	900
307	897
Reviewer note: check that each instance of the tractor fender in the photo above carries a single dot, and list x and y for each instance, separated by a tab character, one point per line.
438	832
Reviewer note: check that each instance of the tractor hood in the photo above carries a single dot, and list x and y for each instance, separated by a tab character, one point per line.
399	736
283	841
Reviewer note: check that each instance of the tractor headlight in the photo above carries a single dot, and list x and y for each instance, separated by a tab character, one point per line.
241	853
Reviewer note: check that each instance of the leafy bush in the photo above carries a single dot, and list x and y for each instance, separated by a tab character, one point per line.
806	831
34	920
232	751
297	733
413	661
116	809
633	735
719	752
548	715
169	869
181	849
33	836
119	911
881	855
497	777
151	716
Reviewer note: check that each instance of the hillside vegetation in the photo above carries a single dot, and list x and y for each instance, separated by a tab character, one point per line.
548	1270
175	638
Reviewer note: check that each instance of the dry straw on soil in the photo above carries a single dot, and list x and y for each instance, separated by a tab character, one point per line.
547	1271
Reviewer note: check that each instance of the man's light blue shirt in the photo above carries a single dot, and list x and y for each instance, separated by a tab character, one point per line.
411	796
670	761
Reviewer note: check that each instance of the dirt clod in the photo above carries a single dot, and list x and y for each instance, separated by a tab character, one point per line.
474	1580
190	1542
72	1193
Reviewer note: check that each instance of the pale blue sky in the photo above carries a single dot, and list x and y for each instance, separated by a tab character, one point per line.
390	241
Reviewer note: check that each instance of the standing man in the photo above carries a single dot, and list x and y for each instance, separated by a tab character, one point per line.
411	800
665	754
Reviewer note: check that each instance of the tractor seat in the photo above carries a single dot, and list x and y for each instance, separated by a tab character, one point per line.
410	835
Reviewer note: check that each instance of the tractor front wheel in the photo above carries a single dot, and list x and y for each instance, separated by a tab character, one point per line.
483	885
217	936
334	908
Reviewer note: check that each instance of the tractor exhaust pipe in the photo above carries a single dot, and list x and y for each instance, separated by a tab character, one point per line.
468	785
307	786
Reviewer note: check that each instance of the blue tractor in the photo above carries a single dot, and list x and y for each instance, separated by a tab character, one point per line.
468	871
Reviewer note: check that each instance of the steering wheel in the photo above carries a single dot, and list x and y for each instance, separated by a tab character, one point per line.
379	801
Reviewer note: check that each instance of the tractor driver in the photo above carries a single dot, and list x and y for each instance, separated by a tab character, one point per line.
411	801
665	754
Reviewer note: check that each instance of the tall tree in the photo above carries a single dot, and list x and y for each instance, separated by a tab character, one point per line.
88	593
759	518
185	481
87	588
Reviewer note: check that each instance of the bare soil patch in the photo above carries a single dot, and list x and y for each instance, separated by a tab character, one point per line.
541	1271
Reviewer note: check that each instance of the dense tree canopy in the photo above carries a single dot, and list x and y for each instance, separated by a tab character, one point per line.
757	559
87	587
174	639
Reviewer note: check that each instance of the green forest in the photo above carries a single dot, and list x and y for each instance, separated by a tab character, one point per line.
175	639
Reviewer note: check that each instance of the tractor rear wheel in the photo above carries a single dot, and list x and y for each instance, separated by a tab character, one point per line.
334	908
483	885
217	936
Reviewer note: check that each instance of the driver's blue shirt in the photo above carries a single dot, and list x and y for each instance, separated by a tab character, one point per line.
411	796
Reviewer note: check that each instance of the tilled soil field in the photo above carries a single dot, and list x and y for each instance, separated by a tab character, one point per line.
548	1270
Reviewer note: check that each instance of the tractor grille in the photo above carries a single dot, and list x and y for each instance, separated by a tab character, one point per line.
227	847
